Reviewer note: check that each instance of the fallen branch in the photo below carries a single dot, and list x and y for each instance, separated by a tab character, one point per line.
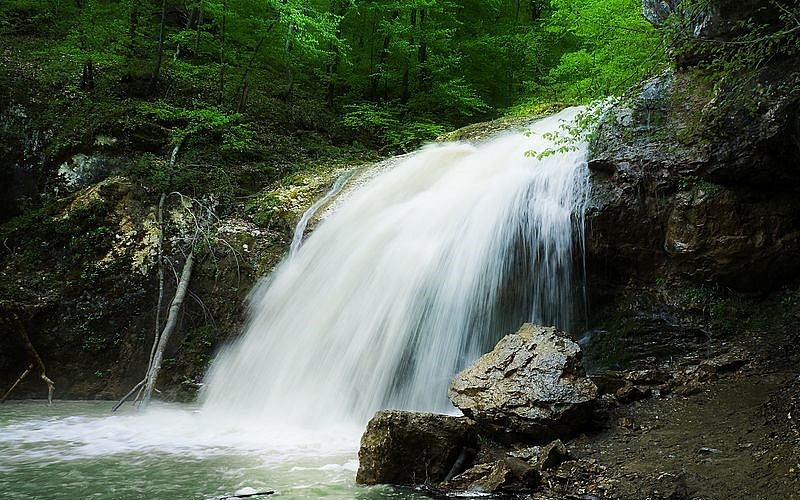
125	397
247	495
33	355
15	384
160	257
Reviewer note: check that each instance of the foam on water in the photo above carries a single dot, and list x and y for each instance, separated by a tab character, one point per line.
168	430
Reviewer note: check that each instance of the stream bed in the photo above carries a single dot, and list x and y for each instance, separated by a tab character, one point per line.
78	449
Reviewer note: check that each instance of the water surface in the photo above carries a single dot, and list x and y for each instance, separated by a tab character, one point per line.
78	450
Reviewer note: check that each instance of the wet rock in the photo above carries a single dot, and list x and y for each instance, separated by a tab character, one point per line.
508	474
544	457
408	448
630	393
531	384
654	376
681	193
607	383
670	487
717	19
83	170
552	455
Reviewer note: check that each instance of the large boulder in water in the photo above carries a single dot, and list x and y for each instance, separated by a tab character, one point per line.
407	448
532	384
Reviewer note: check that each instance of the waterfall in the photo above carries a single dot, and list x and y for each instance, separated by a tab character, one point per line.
413	277
300	229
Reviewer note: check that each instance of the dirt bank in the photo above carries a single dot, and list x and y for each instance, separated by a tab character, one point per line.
725	433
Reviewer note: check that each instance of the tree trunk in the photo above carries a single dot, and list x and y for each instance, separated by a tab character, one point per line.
422	55
199	24
289	71
405	93
169	327
160	53
244	85
378	72
221	97
87	76
332	69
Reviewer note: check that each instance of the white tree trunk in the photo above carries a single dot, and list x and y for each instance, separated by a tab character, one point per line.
172	320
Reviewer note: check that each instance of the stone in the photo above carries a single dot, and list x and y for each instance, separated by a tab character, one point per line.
544	457
407	448
508	474
653	376
678	194
607	383
718	20
552	455
532	384
630	393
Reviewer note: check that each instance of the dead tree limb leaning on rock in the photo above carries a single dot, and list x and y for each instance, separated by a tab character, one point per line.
140	386
33	355
172	320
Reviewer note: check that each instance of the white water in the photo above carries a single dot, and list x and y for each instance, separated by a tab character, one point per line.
169	452
300	230
416	275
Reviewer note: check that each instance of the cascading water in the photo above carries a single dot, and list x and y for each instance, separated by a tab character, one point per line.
300	229
416	275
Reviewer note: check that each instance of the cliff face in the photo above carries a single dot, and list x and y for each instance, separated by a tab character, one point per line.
696	199
678	196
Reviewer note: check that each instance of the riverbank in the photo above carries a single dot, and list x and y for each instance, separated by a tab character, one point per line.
718	423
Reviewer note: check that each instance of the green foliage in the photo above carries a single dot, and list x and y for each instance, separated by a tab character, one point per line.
409	68
569	135
391	126
210	119
262	208
609	47
24	17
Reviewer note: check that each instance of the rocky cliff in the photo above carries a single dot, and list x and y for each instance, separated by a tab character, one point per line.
696	203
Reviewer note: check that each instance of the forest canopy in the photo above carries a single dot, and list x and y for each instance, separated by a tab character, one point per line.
397	71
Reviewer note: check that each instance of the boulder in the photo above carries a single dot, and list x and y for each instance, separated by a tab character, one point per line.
552	455
543	458
532	384
407	448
